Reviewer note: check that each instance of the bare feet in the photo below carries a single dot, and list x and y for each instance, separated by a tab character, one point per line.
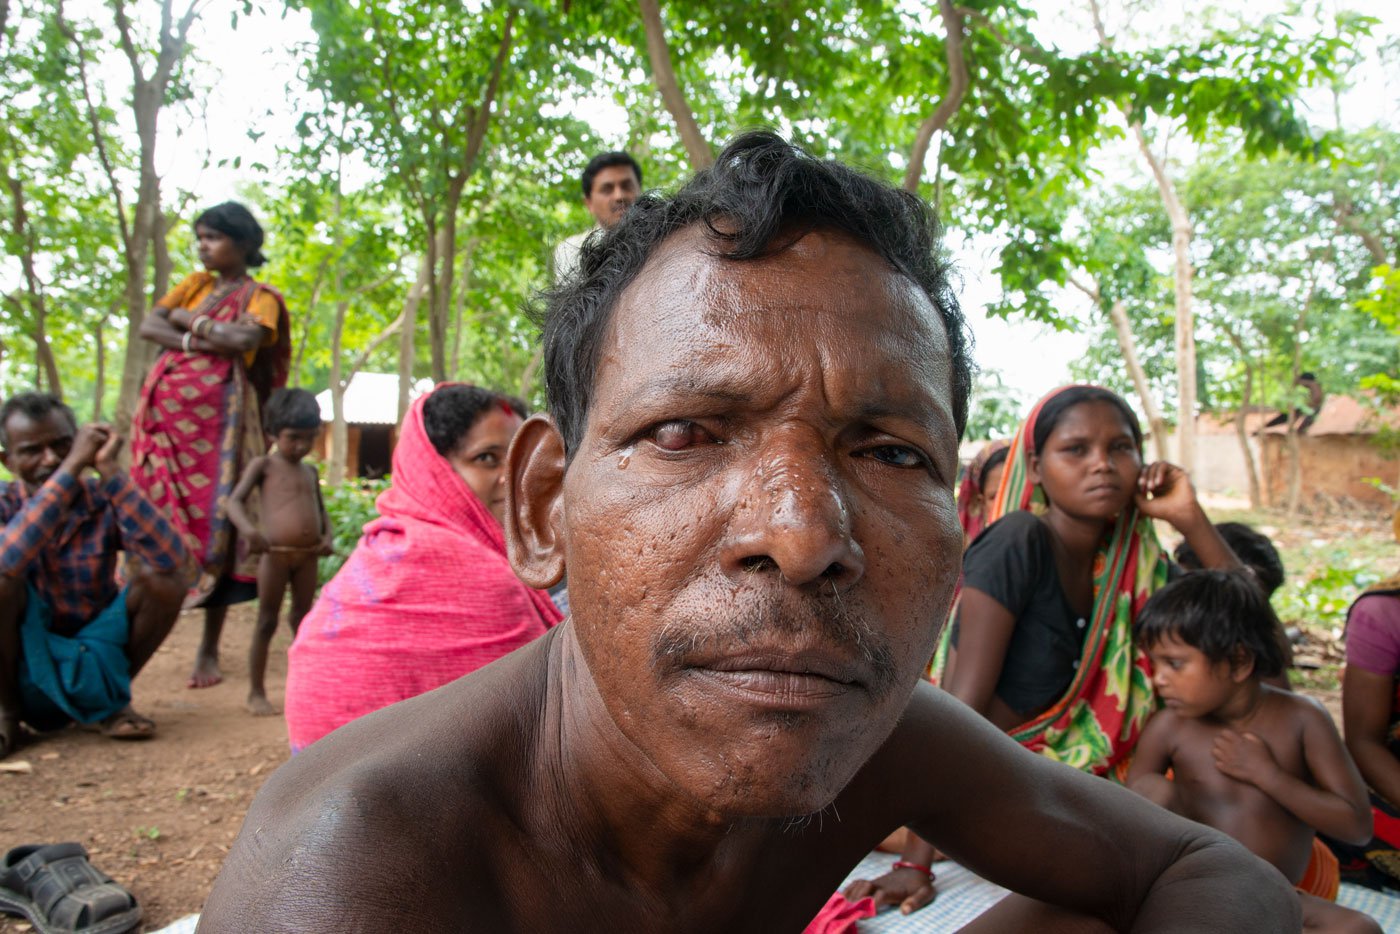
128	724
259	706
206	672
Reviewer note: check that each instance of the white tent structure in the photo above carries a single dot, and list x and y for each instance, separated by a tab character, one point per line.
371	417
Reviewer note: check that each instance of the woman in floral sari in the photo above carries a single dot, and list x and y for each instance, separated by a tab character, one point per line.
1043	624
199	421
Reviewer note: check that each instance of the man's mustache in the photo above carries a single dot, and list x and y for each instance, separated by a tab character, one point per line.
833	619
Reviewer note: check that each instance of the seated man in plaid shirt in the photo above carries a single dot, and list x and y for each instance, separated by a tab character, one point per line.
71	636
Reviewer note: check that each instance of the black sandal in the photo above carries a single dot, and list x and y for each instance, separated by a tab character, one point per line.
60	892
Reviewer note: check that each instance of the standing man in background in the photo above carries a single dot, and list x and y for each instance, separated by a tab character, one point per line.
611	182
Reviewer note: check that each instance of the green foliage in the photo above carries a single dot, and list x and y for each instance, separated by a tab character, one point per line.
1283	256
1383	305
1321	598
995	410
62	274
349	506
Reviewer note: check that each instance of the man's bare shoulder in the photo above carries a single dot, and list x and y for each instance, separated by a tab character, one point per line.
366	822
938	740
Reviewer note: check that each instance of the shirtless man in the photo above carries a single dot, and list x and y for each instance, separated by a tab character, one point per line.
295	529
757	389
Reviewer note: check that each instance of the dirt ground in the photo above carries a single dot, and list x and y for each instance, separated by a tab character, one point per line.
158	816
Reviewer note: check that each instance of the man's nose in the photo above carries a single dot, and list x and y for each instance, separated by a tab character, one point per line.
793	517
51	457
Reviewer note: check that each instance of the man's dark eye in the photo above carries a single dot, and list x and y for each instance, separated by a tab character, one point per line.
678	435
896	455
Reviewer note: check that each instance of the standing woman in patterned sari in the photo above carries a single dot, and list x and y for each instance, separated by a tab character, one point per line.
198	422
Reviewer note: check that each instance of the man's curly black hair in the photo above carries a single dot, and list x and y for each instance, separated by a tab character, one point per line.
761	186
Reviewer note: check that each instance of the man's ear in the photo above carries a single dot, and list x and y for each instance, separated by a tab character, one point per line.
534	519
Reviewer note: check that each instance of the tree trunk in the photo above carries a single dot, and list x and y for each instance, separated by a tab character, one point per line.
1256	497
445	245
45	364
99	385
308	319
340	434
406	335
701	156
460	301
527	378
1128	346
147	97
1295	447
957	89
1185	320
1181	242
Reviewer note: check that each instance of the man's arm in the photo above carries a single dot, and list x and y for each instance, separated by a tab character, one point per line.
1066	838
31	528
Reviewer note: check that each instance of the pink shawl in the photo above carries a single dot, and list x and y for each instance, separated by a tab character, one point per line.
426	597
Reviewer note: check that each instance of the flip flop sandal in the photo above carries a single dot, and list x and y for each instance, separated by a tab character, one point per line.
60	892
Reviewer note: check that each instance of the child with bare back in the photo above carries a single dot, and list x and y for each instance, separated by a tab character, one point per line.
294	531
1263	765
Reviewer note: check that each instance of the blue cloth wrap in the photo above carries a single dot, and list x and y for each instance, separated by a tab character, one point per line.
84	677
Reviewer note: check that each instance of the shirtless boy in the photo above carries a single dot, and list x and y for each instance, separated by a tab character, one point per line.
295	529
756	390
1263	765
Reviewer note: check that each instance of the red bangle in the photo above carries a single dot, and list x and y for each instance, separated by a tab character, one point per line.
905	864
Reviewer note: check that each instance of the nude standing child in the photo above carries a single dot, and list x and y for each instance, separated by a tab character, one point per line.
1263	765
295	530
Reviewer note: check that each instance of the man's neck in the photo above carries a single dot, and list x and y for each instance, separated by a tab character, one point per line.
612	802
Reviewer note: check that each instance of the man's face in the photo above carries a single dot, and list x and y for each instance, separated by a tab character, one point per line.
37	446
761	540
614	190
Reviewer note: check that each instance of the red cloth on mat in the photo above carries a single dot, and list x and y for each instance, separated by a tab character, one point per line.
839	916
426	597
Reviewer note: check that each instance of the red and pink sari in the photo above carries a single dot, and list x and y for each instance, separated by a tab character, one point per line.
199	422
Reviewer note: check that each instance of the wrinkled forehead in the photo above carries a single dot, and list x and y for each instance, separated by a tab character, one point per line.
821	293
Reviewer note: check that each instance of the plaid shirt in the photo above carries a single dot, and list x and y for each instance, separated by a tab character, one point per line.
66	536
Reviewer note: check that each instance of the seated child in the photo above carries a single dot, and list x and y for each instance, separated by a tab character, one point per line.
1262	765
294	531
1257	553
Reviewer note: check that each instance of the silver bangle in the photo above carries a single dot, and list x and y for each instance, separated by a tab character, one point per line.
185	342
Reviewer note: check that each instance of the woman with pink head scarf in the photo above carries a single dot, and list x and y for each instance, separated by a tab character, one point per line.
428	594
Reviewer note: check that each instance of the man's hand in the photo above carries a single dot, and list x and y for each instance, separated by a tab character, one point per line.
106	462
1243	757
257	543
89	440
910	889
